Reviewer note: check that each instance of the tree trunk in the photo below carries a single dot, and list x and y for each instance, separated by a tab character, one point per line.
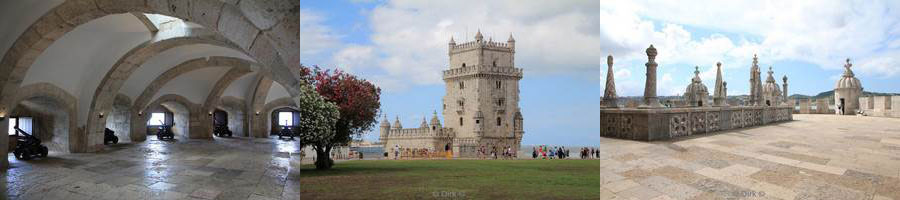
323	158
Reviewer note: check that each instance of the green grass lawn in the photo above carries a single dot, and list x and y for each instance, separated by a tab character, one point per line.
453	179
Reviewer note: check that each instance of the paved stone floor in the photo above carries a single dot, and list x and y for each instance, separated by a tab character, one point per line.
226	168
812	157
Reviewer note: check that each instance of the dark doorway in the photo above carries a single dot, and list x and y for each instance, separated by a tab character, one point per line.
842	106
220	117
768	103
700	103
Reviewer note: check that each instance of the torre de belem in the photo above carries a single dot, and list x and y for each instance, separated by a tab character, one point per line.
480	108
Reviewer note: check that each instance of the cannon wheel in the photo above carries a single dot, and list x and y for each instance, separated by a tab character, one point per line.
44	151
115	140
17	154
159	137
26	154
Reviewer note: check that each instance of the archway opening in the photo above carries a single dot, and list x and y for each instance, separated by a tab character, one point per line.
284	118
44	118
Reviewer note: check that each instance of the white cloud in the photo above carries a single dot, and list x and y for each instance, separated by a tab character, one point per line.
354	57
823	33
409	38
314	36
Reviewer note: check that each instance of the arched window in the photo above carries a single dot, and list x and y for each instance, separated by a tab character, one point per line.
460	121
495	63
499	84
464	65
498	121
462	85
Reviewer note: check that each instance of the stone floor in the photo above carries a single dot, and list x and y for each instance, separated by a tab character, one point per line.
812	157
226	168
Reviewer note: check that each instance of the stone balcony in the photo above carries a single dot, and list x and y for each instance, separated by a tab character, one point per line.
482	70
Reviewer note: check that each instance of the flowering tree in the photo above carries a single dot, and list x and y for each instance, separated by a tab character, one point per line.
357	100
317	120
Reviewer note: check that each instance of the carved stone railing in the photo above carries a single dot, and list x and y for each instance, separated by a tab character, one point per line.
483	70
668	123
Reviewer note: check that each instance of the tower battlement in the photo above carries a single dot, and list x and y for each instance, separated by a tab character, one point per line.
472	45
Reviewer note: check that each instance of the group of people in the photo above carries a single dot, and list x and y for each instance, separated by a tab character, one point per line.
590	153
504	153
545	152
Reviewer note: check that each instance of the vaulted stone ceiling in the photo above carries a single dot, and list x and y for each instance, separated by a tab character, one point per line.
113	48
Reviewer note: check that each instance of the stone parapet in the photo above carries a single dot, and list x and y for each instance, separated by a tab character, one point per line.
663	124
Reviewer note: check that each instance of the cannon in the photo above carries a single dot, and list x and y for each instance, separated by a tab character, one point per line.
29	147
109	136
286	132
165	131
221	130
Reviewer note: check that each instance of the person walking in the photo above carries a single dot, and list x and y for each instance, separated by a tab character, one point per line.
533	153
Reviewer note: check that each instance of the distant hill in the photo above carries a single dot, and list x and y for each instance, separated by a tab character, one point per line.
830	93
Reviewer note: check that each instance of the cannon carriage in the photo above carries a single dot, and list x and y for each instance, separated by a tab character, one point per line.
29	147
286	132
221	130
165	132
109	136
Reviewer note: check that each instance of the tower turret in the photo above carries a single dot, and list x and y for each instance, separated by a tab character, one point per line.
511	42
385	128
435	122
397	123
478	36
785	90
719	93
424	123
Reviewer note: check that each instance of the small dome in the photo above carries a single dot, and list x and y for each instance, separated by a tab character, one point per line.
696	86
696	92
771	88
384	122
848	80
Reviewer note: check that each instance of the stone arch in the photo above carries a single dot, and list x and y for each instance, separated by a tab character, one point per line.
73	137
283	102
267	30
259	125
187	121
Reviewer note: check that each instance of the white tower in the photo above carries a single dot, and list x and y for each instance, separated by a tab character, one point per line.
482	99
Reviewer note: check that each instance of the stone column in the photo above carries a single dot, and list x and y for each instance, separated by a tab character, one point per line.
650	99
4	142
785	90
609	96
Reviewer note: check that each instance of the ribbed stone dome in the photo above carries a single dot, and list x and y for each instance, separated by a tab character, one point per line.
848	82
696	93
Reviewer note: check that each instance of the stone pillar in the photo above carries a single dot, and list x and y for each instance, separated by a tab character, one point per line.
650	99
784	89
804	106
138	126
895	106
609	96
4	142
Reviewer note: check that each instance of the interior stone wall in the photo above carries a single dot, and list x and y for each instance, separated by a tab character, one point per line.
236	109
119	119
181	118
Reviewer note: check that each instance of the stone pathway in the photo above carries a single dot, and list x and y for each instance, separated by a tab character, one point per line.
226	168
813	157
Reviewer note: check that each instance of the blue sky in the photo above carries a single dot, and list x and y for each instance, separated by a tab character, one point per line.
401	46
806	41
